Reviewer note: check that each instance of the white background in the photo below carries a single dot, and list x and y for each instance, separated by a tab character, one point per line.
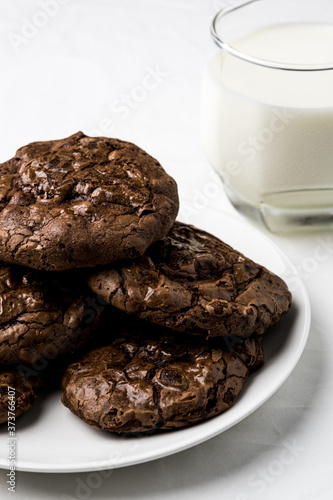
76	71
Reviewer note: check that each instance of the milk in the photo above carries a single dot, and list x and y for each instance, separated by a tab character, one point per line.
269	132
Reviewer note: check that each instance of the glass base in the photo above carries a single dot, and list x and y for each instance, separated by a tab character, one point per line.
289	211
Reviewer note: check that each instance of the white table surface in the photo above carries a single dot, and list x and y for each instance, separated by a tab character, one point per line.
71	73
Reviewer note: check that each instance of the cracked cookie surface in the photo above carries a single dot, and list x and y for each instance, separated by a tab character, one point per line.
81	202
148	378
26	391
43	314
190	281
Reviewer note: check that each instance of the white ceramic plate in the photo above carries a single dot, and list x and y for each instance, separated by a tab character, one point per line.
51	439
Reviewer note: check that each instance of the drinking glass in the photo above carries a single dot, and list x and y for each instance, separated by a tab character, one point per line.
267	110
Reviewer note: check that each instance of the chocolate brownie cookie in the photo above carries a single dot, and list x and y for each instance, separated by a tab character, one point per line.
81	202
249	350
145	381
24	390
43	314
192	282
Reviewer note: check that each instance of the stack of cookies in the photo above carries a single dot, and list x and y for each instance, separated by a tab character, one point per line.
154	323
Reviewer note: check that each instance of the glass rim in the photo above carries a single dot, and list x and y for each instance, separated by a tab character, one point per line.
229	49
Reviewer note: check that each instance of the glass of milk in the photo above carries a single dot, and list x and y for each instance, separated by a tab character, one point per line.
267	110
